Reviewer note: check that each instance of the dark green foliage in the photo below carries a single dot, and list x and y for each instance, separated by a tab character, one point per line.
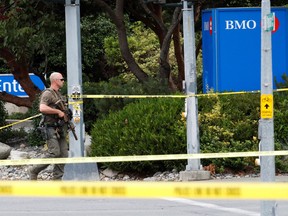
154	126
280	123
145	127
283	84
94	29
18	115
3	116
99	108
229	124
281	118
34	136
3	113
281	129
7	134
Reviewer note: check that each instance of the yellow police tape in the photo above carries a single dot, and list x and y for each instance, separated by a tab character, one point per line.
208	190
169	96
138	158
75	104
20	121
199	190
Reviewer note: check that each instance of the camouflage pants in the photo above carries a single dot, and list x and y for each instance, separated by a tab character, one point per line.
57	148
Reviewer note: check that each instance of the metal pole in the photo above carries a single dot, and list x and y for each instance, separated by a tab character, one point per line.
74	76
74	73
193	143
266	123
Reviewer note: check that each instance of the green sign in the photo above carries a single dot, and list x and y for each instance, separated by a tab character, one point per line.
269	22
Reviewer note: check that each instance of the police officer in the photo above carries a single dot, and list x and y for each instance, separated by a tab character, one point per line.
56	133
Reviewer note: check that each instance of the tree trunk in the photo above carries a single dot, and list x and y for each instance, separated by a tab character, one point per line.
21	75
118	20
179	57
26	102
165	70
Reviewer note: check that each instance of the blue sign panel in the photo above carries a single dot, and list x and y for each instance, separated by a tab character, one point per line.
11	86
232	48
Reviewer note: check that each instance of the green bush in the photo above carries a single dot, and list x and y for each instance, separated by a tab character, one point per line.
3	116
99	108
18	115
154	126
144	127
7	135
10	136
229	124
281	129
3	113
34	137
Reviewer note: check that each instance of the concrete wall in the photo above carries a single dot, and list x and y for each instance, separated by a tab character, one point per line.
27	125
12	108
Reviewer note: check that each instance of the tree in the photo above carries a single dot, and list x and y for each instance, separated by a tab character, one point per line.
32	36
27	36
117	17
95	28
144	46
155	16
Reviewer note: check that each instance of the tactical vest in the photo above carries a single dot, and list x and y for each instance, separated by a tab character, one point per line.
50	99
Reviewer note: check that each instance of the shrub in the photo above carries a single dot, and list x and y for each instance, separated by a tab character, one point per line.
281	129
154	126
144	127
34	137
12	137
3	113
18	115
229	124
3	116
99	108
7	135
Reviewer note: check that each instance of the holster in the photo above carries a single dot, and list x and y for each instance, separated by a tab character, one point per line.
43	131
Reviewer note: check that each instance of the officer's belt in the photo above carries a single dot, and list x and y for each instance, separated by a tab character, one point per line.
51	124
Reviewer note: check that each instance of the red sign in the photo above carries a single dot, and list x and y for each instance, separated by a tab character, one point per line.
276	24
210	26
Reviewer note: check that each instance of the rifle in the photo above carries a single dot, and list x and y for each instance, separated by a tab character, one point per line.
67	117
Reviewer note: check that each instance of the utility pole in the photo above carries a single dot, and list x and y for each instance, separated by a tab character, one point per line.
87	171
193	168
266	123
193	143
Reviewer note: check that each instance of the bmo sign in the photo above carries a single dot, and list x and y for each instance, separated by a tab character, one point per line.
232	48
236	24
10	85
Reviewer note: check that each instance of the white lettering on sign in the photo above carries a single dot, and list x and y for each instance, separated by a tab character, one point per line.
11	87
236	24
